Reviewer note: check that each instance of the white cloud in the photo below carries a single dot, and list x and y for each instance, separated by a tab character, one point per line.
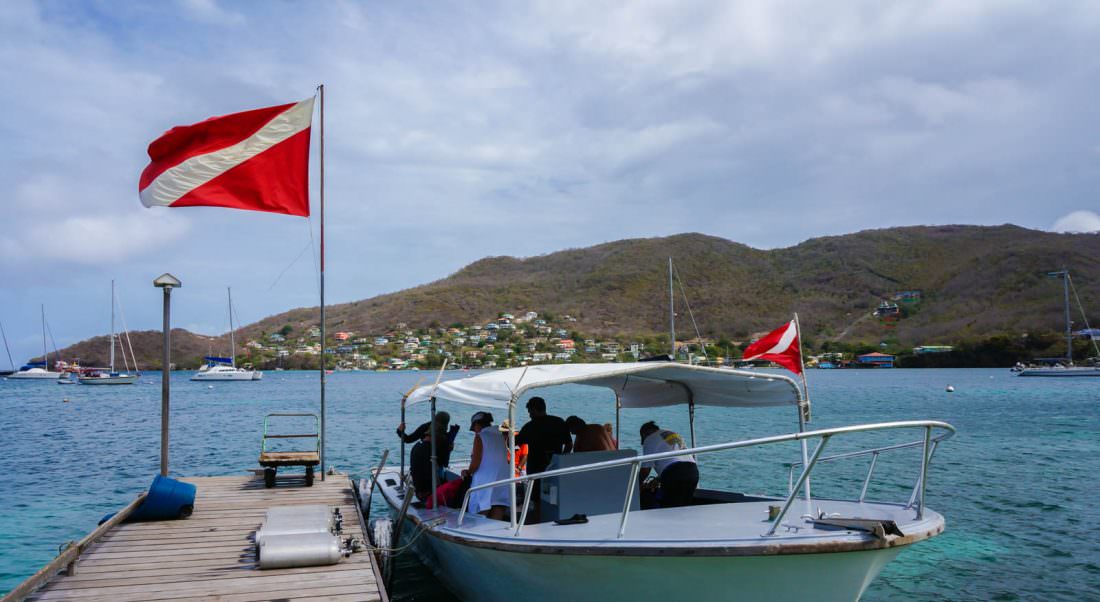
1078	221
95	239
209	11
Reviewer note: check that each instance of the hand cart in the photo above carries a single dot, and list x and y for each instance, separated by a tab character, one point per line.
272	460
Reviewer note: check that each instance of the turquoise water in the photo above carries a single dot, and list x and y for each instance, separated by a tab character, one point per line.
1017	485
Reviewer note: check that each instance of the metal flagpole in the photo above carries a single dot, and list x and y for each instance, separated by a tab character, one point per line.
803	413
321	90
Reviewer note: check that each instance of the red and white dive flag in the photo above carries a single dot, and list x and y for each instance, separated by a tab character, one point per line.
780	346
256	160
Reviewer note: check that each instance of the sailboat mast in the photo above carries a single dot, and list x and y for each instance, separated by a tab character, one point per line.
1069	325
112	326
6	348
232	339
45	354
671	313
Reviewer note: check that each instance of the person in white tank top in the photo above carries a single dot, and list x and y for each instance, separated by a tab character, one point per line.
488	463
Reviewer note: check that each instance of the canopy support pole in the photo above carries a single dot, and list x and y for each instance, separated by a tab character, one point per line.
435	461
432	433
512	459
618	408
691	418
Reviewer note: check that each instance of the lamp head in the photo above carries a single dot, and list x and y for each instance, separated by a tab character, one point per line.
167	280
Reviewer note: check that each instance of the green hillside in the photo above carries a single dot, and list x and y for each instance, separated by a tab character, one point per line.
974	282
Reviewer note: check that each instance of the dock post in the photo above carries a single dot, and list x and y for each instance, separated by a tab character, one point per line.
166	282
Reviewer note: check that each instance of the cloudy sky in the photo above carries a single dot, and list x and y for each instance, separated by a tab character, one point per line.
456	131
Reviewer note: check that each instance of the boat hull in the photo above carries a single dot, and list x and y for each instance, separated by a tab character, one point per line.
243	375
110	380
1060	372
35	375
480	573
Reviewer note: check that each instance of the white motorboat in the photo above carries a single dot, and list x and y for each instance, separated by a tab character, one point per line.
218	368
112	376
1066	368
724	545
225	368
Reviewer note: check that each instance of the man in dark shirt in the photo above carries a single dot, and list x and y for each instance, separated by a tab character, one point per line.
544	435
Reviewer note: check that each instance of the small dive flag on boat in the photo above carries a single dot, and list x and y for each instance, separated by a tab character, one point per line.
256	160
779	346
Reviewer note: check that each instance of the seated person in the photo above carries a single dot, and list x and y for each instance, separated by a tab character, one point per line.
488	463
589	437
678	476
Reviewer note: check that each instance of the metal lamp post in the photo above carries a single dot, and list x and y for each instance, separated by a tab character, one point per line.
166	282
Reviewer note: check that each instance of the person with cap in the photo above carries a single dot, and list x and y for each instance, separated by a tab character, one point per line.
420	457
544	435
678	476
488	463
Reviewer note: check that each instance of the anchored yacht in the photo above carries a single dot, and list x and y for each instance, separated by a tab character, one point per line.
225	368
725	544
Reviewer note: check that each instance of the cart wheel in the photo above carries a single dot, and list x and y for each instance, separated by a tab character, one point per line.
309	476
269	477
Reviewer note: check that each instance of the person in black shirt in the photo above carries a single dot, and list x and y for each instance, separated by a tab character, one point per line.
545	435
420	457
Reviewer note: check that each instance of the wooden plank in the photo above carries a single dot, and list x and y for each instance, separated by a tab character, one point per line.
274	584
211	556
170	574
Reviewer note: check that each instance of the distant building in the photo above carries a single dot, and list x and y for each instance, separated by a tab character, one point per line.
876	360
907	296
932	349
342	336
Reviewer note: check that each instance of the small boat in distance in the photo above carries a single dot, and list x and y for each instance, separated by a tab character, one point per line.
112	376
1064	369
225	368
37	370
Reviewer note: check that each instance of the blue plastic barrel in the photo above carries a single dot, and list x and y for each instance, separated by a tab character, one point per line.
168	499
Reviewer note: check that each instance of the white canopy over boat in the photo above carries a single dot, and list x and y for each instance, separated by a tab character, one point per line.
637	384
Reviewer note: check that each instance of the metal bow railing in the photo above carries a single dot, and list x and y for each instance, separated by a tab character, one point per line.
928	444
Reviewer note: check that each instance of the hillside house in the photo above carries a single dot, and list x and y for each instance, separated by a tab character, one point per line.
342	336
381	341
932	349
540	357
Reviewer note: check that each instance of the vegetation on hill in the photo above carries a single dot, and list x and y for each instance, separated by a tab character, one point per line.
975	283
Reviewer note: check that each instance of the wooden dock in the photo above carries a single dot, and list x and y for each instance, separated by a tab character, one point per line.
210	556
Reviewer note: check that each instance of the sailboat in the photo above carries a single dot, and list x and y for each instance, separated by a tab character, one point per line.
112	377
1066	369
38	370
225	368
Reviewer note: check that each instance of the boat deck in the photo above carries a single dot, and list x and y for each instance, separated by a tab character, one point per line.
727	529
210	556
